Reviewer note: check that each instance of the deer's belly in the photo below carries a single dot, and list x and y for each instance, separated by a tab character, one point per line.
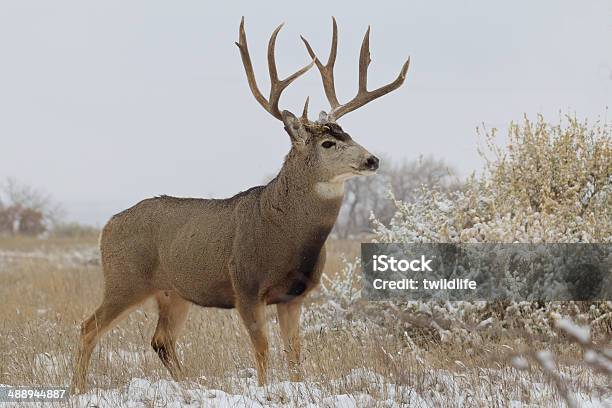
214	294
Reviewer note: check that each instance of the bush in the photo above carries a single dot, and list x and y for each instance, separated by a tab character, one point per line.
550	184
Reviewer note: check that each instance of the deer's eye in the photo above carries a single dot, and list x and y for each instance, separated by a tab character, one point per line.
327	144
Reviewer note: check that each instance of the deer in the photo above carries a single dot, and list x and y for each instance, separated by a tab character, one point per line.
263	246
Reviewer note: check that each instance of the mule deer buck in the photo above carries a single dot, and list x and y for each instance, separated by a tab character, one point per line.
264	246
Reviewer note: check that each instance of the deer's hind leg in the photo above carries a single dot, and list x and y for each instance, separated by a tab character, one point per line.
172	317
114	307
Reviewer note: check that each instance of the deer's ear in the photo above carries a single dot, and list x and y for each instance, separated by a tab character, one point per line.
295	128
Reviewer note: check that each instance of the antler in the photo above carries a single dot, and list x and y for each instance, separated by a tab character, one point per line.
363	95
276	86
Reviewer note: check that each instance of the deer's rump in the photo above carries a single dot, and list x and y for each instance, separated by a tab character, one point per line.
172	244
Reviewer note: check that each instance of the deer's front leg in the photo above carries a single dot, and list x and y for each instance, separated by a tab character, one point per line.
289	321
254	318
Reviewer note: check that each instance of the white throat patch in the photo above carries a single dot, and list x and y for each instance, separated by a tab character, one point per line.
333	188
330	189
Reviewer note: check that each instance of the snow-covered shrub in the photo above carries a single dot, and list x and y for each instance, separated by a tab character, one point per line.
344	287
336	297
551	183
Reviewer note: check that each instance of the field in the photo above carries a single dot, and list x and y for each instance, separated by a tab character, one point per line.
49	286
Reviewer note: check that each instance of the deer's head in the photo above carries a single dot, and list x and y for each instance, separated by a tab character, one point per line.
326	151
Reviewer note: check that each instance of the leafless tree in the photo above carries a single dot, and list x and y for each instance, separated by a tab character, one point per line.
8	219
25	209
31	222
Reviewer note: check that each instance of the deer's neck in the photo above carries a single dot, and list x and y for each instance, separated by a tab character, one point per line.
296	201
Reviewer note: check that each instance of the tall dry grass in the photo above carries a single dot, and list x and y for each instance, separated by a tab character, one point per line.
43	302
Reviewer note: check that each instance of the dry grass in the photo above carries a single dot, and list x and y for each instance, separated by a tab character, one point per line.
25	243
44	301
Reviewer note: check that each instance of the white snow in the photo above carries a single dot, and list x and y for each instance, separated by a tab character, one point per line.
441	388
76	256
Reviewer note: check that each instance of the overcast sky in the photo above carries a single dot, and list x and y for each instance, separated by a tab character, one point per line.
105	103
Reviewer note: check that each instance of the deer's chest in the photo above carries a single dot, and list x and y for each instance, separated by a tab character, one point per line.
297	280
297	271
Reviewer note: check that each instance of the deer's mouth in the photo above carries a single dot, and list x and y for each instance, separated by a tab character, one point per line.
362	171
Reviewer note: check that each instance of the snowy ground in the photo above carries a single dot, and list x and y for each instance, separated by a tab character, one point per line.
75	256
443	389
141	392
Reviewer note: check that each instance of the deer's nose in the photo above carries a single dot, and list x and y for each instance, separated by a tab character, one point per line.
372	163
